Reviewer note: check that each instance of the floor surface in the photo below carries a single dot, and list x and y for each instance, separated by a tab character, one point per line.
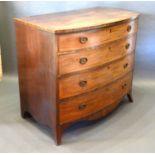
130	128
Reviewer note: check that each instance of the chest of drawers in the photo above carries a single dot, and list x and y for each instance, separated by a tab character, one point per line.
75	65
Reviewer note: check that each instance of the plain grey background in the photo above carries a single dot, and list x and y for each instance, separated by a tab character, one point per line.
145	51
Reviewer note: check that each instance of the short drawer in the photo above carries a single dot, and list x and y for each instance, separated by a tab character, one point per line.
94	57
74	41
84	82
84	105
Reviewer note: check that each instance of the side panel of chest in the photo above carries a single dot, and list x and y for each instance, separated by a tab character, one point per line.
37	73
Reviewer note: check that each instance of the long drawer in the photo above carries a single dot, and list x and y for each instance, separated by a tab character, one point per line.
74	41
86	104
81	83
94	57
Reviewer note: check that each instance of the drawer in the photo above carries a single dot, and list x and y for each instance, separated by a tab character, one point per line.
74	41
80	83
84	105
94	57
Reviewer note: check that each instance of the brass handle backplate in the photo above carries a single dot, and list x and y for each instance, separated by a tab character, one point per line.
129	28
83	40
82	83
82	106
83	60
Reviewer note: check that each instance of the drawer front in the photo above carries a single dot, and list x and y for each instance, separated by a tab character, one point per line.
74	41
84	105
89	58
86	81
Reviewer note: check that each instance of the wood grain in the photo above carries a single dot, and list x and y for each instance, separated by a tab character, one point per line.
102	113
94	101
37	81
98	56
70	85
69	42
78	20
75	65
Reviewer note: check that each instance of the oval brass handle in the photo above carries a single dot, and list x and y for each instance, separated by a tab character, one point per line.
127	46
129	28
83	40
82	83
126	65
82	106
124	85
83	60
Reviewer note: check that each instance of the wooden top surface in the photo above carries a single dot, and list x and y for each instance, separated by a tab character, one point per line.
79	19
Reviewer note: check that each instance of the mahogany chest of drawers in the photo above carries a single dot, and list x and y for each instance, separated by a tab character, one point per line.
75	65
